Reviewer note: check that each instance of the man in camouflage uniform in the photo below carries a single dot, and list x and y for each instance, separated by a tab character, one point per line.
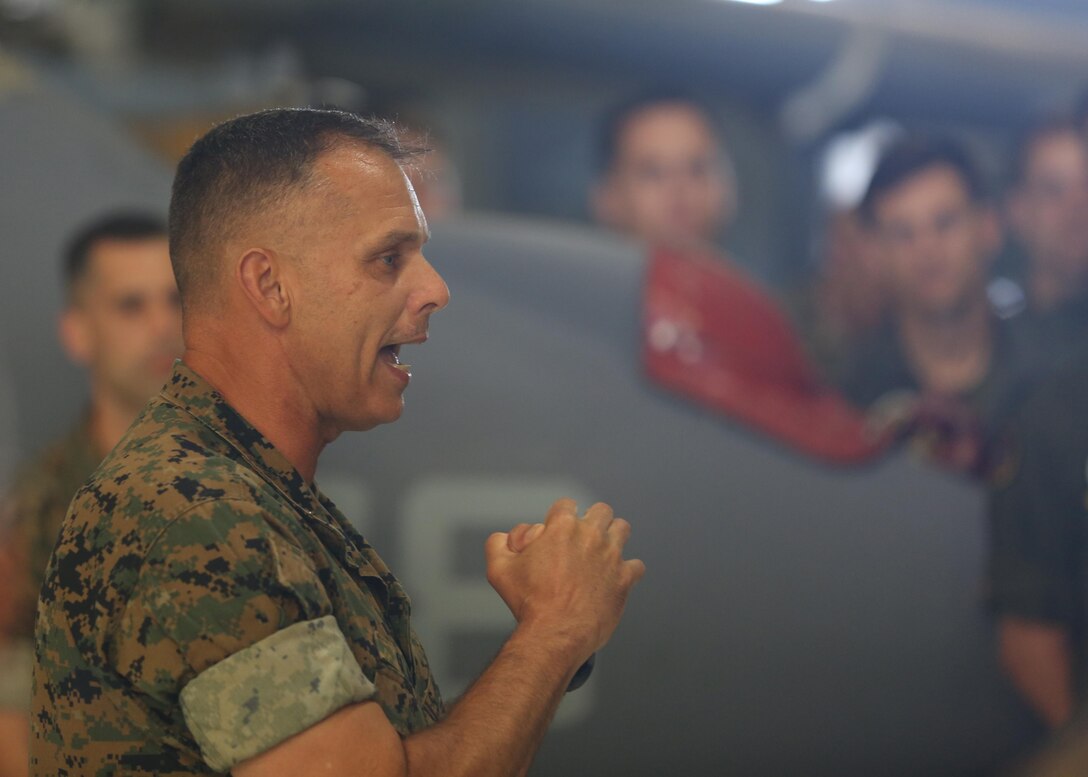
121	321
207	609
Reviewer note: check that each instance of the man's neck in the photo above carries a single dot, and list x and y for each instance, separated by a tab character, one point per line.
110	418
285	422
949	354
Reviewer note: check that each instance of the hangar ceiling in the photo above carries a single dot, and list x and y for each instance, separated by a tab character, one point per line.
967	60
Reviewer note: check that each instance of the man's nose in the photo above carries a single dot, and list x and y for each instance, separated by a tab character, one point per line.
434	294
928	241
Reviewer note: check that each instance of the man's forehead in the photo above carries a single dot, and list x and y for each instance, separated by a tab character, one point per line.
1058	149
666	121
356	173
116	264
934	184
421	218
366	186
347	162
119	257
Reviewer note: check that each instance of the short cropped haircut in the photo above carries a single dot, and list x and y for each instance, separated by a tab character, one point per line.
251	163
1030	140
915	154
615	120
124	226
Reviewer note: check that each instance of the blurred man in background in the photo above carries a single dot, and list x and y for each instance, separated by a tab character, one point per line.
847	302
665	174
1039	508
1039	494
936	236
122	322
1048	212
711	333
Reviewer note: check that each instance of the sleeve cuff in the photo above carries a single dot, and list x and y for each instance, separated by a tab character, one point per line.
258	697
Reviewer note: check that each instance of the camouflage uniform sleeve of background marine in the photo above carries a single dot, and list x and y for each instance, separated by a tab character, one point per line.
1037	505
30	521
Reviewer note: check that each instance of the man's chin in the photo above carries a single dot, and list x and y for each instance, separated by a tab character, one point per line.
366	422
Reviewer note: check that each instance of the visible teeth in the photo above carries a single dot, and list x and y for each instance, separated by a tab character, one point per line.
394	355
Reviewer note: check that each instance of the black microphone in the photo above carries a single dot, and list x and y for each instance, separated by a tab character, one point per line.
583	673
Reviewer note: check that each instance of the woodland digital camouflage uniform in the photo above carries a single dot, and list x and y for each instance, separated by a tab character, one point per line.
30	520
204	603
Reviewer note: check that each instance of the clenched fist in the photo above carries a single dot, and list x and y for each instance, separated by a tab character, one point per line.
565	579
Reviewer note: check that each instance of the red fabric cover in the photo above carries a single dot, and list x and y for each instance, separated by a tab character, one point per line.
713	336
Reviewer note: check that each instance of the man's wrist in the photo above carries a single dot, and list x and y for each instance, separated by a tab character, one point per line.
553	650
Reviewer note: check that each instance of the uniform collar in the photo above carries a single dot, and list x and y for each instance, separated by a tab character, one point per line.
191	392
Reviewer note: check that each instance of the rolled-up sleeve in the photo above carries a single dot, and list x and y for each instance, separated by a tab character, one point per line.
267	692
230	620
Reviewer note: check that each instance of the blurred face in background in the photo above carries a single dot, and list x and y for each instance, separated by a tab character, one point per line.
936	242
669	181
123	321
1049	213
851	294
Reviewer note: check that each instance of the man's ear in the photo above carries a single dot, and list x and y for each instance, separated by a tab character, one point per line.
75	335
261	278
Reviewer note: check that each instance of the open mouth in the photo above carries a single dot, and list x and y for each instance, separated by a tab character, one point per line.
390	354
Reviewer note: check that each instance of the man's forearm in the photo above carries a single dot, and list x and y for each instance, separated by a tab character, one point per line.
14	734
1038	660
566	584
496	727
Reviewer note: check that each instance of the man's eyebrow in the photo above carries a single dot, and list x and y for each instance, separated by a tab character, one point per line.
405	236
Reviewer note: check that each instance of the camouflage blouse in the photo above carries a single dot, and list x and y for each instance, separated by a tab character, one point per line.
30	518
204	603
33	511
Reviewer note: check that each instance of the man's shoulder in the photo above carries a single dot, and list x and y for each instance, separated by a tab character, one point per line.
166	464
1048	425
59	459
46	482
